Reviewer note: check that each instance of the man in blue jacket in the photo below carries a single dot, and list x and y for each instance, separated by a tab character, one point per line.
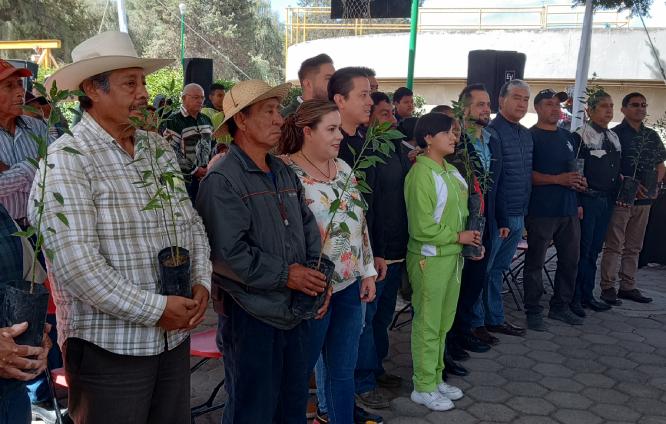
514	185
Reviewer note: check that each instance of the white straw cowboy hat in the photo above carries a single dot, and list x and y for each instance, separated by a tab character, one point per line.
104	52
247	93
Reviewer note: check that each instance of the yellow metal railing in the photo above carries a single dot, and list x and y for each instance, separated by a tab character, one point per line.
42	48
303	23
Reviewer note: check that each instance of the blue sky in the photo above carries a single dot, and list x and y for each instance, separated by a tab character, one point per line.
658	10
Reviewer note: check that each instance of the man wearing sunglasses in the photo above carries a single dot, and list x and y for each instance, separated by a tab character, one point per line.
643	153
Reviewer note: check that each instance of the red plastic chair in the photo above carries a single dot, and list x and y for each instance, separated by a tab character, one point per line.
202	345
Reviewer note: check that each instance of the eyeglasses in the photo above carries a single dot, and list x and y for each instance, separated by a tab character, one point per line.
643	105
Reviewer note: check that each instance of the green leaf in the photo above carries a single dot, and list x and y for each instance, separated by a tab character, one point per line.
352	215
40	88
335	205
61	216
345	228
29	232
33	162
152	205
59	198
51	230
71	150
49	254
31	109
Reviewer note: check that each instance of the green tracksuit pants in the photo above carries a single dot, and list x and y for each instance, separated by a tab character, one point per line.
436	284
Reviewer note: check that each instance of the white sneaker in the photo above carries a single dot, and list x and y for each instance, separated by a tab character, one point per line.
434	400
450	392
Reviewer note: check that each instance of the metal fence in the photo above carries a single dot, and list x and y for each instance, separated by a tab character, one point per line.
311	23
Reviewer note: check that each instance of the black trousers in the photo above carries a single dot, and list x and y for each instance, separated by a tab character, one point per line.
564	232
105	387
471	285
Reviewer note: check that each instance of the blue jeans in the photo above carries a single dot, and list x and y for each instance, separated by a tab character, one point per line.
597	212
489	309
334	340
374	343
14	403
266	369
38	389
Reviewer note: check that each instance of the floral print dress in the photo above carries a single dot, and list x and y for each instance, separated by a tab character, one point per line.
348	242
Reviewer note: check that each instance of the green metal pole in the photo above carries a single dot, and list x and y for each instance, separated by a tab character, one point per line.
412	43
182	39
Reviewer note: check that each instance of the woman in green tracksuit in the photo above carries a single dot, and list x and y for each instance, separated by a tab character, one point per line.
436	197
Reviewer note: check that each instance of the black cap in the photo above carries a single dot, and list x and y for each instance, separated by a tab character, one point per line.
549	94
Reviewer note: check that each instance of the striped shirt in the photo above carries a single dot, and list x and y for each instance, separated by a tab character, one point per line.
191	139
15	149
105	279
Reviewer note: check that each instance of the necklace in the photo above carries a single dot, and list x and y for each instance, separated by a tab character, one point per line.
328	166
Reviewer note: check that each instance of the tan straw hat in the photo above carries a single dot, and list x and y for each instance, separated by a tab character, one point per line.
104	52
246	93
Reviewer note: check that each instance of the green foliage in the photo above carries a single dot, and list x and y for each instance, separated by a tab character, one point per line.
166	81
54	97
636	6
380	139
293	93
166	181
70	21
471	163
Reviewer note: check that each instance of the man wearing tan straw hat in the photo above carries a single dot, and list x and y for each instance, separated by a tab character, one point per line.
16	143
126	346
260	231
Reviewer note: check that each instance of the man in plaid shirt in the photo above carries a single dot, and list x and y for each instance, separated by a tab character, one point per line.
126	347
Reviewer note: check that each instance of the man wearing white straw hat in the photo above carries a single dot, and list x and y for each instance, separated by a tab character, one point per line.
126	347
260	231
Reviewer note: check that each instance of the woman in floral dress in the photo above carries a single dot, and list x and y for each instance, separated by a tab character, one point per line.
310	143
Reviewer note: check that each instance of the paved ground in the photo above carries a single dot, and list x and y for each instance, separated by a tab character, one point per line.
610	370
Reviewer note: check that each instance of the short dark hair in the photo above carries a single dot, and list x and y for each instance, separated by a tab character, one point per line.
466	93
400	93
625	100
342	80
406	126
312	64
101	81
431	124
378	97
231	124
369	72
441	109
216	86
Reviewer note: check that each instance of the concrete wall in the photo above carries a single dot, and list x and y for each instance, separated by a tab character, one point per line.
621	58
617	54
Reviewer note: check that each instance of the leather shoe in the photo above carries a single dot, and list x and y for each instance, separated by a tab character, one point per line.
596	306
454	349
634	295
507	328
484	336
473	344
453	368
577	309
609	296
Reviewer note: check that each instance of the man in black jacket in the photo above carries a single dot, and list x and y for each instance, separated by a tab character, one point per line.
486	156
260	231
387	224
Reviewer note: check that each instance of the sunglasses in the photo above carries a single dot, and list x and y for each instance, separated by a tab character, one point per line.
644	105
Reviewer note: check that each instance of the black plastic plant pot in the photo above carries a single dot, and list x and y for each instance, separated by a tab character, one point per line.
174	269
628	191
304	306
20	305
577	165
474	204
474	223
649	180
